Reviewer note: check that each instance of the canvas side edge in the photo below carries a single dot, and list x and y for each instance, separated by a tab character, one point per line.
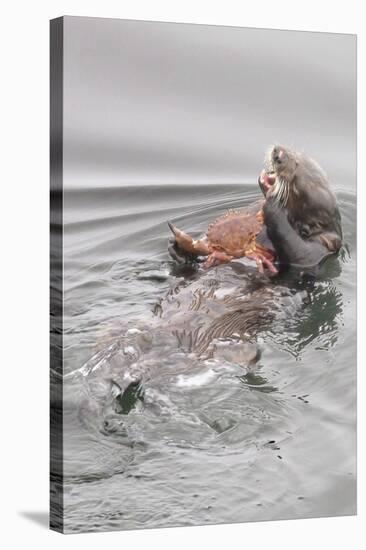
56	275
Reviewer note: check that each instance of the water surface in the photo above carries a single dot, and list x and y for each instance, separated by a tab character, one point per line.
259	426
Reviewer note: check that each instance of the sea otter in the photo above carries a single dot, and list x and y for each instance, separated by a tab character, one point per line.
301	216
216	315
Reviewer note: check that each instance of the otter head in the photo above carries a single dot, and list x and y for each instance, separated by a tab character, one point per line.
279	173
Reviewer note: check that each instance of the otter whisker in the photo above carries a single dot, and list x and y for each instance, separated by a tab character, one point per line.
281	191
288	193
277	190
285	193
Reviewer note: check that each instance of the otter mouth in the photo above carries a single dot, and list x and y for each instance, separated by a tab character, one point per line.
266	181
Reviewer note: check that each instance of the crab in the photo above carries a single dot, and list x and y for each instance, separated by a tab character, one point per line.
232	236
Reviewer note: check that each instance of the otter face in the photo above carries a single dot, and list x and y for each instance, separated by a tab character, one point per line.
283	162
280	167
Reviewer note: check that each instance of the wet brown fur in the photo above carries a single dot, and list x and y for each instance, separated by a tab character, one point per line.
310	203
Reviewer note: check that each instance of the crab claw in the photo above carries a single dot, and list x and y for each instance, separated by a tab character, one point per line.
187	244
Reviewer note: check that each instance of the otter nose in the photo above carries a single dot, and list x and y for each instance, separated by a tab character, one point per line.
277	155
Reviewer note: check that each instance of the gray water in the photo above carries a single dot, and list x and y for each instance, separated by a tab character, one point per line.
196	397
262	431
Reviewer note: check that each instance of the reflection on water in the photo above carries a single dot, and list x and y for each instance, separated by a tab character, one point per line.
198	397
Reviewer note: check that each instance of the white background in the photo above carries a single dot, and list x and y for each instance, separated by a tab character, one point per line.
24	232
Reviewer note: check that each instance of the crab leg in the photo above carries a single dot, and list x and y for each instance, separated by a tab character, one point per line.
262	261
217	258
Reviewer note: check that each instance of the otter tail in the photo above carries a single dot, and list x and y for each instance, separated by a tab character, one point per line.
188	244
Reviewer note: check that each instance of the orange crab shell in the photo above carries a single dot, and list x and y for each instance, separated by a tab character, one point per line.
235	233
